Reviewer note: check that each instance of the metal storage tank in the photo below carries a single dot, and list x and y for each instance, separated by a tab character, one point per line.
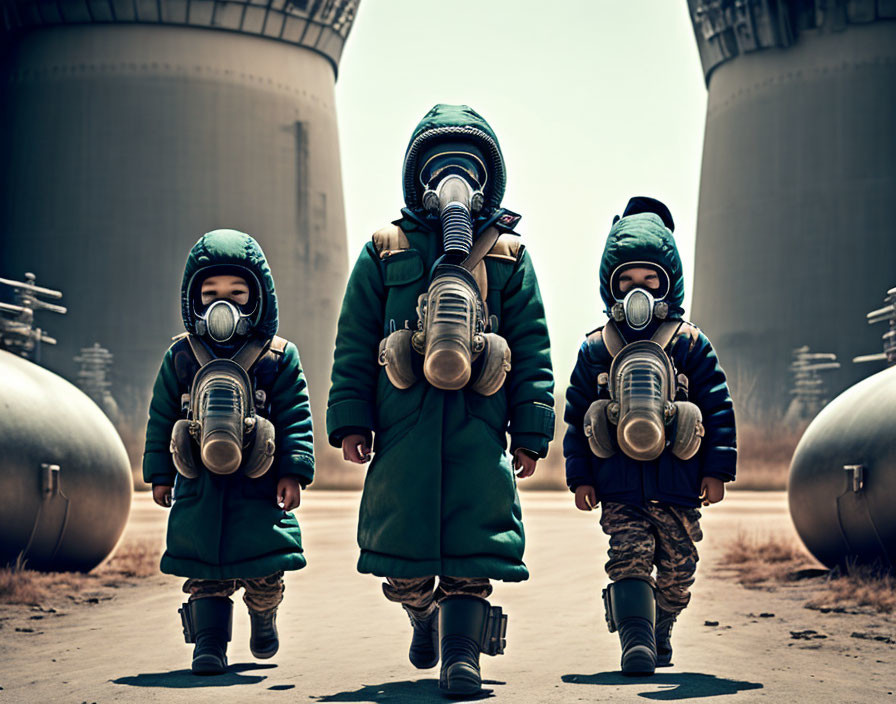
843	477
65	480
131	127
795	222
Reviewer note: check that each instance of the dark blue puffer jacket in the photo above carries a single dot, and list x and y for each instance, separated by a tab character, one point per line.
644	238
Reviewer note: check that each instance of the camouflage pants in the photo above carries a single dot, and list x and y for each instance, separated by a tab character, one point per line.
658	535
262	594
421	595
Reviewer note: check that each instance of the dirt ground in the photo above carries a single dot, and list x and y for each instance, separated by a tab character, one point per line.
341	641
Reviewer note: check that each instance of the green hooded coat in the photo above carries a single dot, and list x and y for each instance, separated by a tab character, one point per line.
228	527
440	495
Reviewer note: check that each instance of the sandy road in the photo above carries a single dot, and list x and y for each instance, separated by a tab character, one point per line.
342	642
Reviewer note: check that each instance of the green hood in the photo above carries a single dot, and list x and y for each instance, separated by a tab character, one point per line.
642	238
454	123
231	248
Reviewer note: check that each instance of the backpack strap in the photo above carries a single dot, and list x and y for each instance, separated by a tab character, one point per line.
389	239
508	247
246	356
612	338
199	350
666	332
251	352
474	262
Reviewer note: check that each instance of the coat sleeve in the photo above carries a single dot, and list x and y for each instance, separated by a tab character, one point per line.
530	386
164	411
291	416
708	389
355	367
580	394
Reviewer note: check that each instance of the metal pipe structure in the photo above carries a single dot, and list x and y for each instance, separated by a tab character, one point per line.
794	227
130	128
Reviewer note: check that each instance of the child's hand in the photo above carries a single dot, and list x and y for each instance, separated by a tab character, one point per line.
523	463
712	490
161	494
356	448
289	493
586	498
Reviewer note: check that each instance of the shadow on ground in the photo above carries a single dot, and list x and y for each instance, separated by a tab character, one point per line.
184	679
410	691
673	685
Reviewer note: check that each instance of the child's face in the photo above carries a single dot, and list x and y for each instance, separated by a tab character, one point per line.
639	276
233	288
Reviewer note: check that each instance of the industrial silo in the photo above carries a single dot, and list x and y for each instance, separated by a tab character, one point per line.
131	127
795	228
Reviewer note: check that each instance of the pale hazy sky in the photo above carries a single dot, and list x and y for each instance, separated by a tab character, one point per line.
593	101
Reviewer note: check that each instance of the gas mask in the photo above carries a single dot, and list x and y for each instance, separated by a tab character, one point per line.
453	189
647	405
223	320
639	305
222	431
638	308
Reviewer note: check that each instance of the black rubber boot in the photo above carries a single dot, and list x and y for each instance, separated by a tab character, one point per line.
631	610
424	651
664	622
212	619
462	620
264	641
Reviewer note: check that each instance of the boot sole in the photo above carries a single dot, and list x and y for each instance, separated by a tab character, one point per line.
208	665
461	681
428	665
639	661
264	655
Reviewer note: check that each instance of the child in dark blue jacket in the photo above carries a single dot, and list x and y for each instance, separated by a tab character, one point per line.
651	433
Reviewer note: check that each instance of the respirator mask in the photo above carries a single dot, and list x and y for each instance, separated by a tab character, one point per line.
638	306
453	184
223	320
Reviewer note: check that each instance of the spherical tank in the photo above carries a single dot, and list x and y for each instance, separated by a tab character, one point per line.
130	129
842	482
65	481
794	227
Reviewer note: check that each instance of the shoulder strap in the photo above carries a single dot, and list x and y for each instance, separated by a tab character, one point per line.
481	247
508	247
390	238
612	338
666	332
278	344
251	352
200	351
247	355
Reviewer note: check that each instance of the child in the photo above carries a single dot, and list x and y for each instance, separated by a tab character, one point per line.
235	441
647	439
442	348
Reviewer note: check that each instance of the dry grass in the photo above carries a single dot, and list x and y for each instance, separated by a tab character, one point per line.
861	586
769	560
764	454
765	559
133	560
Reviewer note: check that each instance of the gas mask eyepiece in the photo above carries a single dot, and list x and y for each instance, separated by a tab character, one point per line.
222	320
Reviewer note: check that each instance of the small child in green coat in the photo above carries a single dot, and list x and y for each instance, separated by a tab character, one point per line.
230	431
